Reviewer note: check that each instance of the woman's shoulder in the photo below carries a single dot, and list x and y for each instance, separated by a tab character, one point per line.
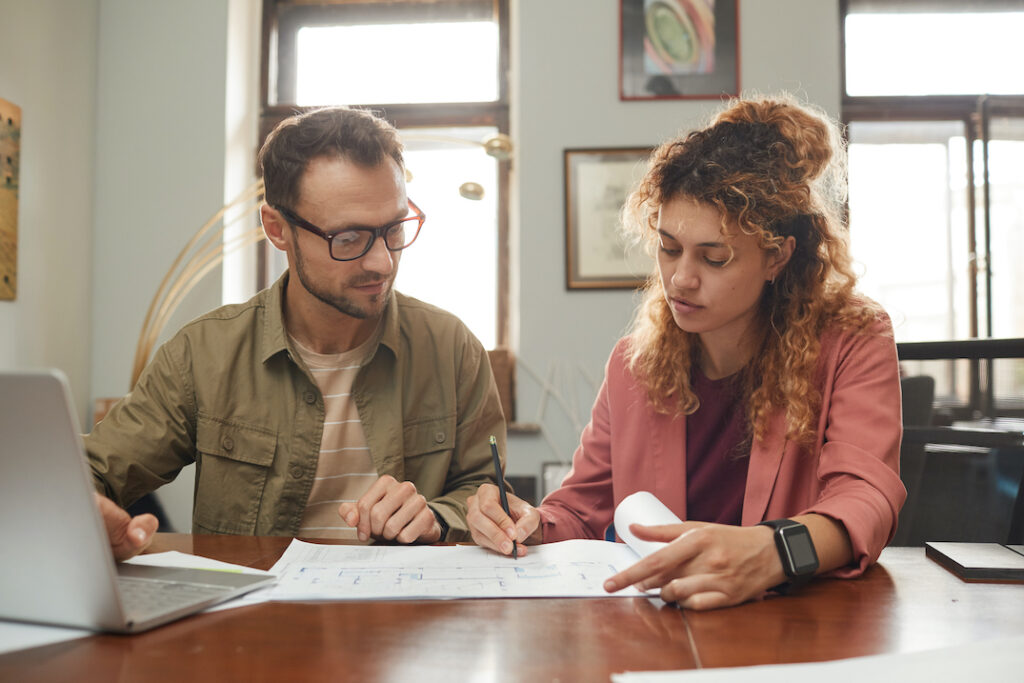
858	317
620	359
619	368
862	327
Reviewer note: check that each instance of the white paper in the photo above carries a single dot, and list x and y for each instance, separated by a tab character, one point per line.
642	508
990	661
569	569
18	636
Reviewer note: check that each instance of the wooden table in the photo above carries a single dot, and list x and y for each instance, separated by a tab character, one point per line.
905	603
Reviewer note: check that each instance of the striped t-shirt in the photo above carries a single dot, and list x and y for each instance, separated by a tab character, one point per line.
345	470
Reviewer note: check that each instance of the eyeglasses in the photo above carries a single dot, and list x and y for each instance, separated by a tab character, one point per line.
353	243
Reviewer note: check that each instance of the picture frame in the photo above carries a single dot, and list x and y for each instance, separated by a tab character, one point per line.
678	49
10	163
597	183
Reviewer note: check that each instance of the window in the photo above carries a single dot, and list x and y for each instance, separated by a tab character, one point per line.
437	70
934	104
929	48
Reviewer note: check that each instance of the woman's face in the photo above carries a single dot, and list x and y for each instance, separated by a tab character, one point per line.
712	282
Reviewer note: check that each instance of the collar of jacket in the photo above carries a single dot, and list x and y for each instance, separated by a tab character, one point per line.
274	338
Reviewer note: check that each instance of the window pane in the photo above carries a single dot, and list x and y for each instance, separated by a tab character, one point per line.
398	63
1006	194
453	263
934	54
908	224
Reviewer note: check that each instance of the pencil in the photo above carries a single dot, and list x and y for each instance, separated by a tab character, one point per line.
500	478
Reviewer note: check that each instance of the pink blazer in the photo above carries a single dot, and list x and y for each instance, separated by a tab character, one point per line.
852	475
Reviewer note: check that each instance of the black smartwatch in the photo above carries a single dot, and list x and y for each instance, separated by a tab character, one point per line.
796	551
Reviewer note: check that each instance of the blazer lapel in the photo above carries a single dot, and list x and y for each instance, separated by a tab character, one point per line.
668	450
763	470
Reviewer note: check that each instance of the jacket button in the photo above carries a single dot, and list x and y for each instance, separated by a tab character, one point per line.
439	437
296	472
310	397
228	443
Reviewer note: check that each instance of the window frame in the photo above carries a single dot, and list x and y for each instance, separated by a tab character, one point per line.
975	112
277	49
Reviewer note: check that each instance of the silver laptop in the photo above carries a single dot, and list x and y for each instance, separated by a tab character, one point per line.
57	566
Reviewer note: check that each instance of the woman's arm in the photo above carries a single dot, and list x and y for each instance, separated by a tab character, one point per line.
707	566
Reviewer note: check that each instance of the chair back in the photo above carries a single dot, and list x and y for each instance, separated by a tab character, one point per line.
918	399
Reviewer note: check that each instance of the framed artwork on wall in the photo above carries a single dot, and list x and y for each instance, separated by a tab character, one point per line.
678	49
10	162
597	182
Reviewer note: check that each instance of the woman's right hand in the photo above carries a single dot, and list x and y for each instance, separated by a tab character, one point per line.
492	528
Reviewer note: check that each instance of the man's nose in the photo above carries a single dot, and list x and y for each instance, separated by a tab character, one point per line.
379	259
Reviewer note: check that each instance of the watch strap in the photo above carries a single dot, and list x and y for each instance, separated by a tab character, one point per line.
796	579
443	524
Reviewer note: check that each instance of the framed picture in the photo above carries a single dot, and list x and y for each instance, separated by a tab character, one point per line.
597	182
10	163
678	49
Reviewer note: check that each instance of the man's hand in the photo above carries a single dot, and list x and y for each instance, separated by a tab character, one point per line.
128	535
392	510
492	528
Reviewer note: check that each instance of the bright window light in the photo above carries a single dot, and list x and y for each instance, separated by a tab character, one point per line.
398	63
453	263
934	54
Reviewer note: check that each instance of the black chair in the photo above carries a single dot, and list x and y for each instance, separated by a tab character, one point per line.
1016	534
918	400
151	504
963	482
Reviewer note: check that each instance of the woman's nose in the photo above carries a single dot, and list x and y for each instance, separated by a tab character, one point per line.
685	274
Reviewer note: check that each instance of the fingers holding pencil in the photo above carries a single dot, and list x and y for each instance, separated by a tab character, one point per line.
492	528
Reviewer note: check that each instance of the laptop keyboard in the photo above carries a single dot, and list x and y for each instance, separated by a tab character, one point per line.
147	596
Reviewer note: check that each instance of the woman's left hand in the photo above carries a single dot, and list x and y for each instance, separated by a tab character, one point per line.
704	566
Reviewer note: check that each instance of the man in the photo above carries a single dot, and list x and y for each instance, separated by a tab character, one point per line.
329	404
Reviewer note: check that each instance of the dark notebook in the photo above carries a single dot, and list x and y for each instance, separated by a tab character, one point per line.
980	561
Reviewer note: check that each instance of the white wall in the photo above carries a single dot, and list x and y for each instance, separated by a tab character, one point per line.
127	119
565	57
48	68
160	141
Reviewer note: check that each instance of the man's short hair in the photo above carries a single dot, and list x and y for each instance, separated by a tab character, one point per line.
354	134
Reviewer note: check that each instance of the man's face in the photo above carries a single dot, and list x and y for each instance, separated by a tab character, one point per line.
335	194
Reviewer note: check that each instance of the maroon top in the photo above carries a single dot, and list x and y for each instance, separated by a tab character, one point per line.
718	451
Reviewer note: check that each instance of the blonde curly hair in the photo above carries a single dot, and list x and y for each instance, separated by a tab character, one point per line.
774	169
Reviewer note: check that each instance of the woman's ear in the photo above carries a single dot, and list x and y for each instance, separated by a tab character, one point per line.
778	258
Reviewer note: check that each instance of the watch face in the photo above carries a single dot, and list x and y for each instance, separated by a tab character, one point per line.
801	550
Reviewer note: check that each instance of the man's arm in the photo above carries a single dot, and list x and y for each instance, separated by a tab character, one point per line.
148	436
479	416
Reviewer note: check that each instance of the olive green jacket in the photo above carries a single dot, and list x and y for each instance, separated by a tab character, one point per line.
229	393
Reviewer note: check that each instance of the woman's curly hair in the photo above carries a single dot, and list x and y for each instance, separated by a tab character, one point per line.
774	169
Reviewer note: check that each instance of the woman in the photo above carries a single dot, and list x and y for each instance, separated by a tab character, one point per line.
755	384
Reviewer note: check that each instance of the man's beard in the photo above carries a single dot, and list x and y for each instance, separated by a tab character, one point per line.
339	302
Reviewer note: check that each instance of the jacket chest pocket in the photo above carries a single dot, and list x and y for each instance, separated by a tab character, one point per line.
428	448
231	475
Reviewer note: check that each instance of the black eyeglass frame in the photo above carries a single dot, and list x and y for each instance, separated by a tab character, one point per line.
381	232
